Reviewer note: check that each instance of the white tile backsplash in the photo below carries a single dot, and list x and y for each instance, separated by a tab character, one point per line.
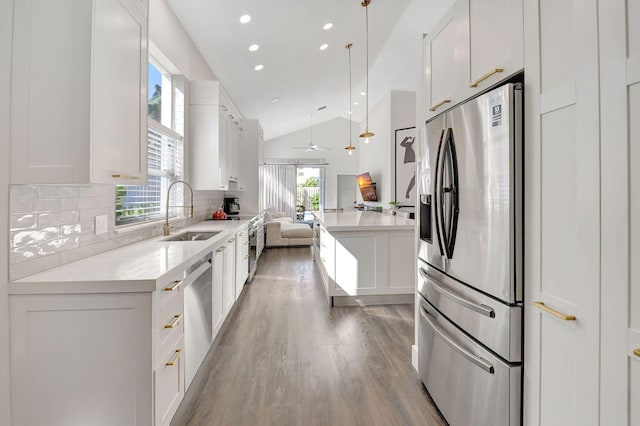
58	218
54	224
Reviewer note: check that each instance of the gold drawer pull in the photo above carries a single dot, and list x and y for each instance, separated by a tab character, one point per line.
439	104
486	76
231	240
176	319
220	249
636	352
175	358
119	176
175	285
541	306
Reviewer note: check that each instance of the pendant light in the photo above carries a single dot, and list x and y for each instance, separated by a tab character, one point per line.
349	148
367	134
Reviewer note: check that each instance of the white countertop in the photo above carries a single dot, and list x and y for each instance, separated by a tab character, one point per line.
364	221
133	268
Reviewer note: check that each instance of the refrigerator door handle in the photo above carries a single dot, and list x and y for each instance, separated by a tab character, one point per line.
479	308
450	166
455	202
479	361
436	194
441	162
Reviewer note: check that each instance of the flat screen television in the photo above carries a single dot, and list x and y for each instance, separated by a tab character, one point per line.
367	187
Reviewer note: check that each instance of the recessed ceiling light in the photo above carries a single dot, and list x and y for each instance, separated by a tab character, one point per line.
245	18
275	100
349	112
324	46
254	47
356	103
363	93
258	67
328	26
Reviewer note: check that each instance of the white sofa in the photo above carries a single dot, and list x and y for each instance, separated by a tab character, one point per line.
283	232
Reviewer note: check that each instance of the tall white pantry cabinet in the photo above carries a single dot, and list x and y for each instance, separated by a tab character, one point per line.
582	204
79	88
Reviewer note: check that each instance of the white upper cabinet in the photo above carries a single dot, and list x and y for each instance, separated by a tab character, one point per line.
493	35
214	133
475	45
79	90
442	46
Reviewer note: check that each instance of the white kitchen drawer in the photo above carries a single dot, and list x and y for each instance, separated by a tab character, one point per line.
169	328
169	384
168	292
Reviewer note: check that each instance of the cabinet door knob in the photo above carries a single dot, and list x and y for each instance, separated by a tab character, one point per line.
486	76
120	176
542	307
176	319
174	286
636	352
174	359
439	104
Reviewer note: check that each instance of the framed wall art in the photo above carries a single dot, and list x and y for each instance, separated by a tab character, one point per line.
405	166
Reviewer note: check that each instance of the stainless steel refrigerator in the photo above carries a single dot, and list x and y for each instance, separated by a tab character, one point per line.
470	259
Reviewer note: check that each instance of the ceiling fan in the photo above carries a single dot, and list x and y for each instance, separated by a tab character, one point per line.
312	146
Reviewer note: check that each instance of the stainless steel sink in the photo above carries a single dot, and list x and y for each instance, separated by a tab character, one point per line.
192	236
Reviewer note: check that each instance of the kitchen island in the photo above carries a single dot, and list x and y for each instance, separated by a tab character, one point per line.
365	258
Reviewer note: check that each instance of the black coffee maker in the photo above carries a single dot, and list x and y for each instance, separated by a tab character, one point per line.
232	206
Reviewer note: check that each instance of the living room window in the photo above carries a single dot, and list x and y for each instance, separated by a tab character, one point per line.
165	129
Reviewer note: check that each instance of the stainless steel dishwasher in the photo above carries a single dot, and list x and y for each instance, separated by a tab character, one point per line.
197	316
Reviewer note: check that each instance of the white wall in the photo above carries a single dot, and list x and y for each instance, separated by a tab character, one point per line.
6	35
332	134
396	110
170	37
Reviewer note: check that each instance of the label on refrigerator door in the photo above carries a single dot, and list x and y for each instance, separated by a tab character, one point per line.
496	115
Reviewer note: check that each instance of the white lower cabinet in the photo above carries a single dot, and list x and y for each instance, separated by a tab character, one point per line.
113	357
77	358
229	275
110	358
169	383
242	260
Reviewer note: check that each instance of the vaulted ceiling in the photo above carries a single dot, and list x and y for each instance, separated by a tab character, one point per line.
298	77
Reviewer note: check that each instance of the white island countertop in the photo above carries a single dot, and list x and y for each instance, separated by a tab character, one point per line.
363	221
133	268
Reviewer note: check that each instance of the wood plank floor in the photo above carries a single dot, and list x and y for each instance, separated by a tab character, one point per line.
285	358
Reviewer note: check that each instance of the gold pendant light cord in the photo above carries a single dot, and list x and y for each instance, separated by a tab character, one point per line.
366	39
350	148
367	134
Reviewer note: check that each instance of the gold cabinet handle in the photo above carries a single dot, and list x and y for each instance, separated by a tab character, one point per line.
636	352
175	358
486	76
174	286
541	306
231	240
176	319
120	176
439	104
220	249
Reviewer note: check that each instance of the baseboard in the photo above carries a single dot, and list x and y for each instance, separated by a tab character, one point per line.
382	299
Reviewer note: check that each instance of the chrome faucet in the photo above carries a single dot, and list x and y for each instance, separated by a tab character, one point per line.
166	228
